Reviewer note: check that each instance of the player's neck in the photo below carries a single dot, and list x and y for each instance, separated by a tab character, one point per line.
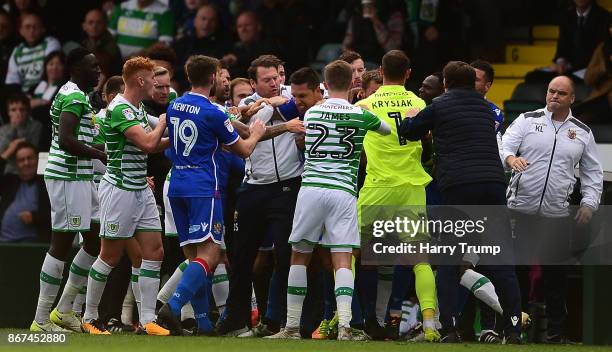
337	95
81	84
205	91
132	96
392	83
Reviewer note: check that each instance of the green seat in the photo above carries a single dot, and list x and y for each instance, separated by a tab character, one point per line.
513	108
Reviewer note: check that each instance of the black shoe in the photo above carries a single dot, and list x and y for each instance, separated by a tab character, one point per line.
451	337
189	324
230	327
490	336
374	329
392	327
513	338
169	320
115	326
210	333
558	340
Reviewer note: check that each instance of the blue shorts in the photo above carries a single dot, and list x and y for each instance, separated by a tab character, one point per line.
198	219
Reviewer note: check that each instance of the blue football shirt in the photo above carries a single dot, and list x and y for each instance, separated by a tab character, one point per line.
197	128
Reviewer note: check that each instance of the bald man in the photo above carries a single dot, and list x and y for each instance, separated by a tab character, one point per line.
542	148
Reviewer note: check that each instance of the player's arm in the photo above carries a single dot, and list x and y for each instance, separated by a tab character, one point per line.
248	111
373	123
418	126
244	147
147	142
164	144
384	128
242	129
69	122
293	126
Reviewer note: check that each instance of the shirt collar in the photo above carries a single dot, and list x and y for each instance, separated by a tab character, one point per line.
199	95
337	101
549	114
585	13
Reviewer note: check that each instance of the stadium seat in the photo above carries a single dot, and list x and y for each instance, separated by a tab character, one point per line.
545	43
329	52
326	54
513	108
501	90
582	91
545	32
516	71
606	4
530	54
530	92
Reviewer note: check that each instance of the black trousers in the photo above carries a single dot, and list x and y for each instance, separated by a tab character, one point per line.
260	210
503	277
551	244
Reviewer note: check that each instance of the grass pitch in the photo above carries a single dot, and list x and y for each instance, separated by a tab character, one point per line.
135	343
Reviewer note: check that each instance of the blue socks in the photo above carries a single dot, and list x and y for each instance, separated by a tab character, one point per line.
195	279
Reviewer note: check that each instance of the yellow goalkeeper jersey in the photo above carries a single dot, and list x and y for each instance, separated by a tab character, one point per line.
392	160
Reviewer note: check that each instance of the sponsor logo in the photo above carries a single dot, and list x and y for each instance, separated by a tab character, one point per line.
129	114
74	220
571	133
514	320
229	126
112	227
194	228
217	228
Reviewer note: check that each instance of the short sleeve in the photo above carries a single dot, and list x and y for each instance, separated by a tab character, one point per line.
122	118
75	103
372	122
99	135
223	128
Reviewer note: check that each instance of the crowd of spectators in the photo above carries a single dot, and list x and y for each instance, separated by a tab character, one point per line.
35	35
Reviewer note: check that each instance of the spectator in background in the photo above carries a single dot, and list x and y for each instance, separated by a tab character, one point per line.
164	56
101	43
26	62
240	88
374	29
250	45
185	15
289	24
8	41
597	107
138	24
53	77
581	29
17	8
20	127
207	38
24	202
358	68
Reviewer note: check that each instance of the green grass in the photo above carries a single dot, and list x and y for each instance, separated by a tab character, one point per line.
134	343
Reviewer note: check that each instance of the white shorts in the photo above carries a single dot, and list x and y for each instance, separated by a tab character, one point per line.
169	225
125	212
328	211
74	205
